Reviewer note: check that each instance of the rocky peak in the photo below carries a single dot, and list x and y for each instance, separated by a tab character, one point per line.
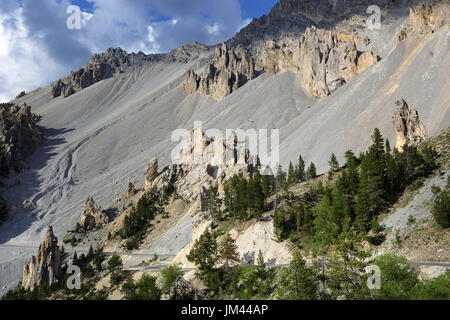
45	267
290	18
92	210
425	19
407	125
187	52
100	67
229	70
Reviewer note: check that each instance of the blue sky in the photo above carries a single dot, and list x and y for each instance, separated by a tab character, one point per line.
249	8
37	48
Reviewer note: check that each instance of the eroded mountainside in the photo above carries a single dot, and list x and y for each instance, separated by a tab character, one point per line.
322	79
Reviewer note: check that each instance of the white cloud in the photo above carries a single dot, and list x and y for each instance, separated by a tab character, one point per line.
23	63
36	48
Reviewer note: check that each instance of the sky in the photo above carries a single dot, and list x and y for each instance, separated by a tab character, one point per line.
37	47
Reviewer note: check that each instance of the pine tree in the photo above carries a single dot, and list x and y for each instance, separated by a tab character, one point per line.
371	198
298	282
340	210
228	252
204	254
311	173
291	174
334	164
326	227
300	170
346	269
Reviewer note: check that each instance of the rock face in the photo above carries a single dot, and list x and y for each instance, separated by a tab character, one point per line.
150	173
425	19
45	267
204	162
92	210
325	60
100	67
407	125
19	136
290	18
229	70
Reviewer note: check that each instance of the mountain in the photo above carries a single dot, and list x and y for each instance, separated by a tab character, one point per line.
309	68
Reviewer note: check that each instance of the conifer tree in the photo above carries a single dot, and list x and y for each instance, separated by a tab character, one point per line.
311	173
298	282
228	252
291	174
326	227
334	164
300	170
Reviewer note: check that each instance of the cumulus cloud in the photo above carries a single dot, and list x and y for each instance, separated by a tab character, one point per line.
37	48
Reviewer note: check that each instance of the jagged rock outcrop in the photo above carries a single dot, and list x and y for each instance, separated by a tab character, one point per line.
407	125
45	267
100	67
92	210
19	136
425	19
150	173
229	70
131	190
325	60
290	18
183	290
204	162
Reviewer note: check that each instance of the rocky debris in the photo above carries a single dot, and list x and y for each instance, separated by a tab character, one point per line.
425	19
407	125
92	210
45	267
19	136
182	289
229	70
203	162
151	173
325	60
131	190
